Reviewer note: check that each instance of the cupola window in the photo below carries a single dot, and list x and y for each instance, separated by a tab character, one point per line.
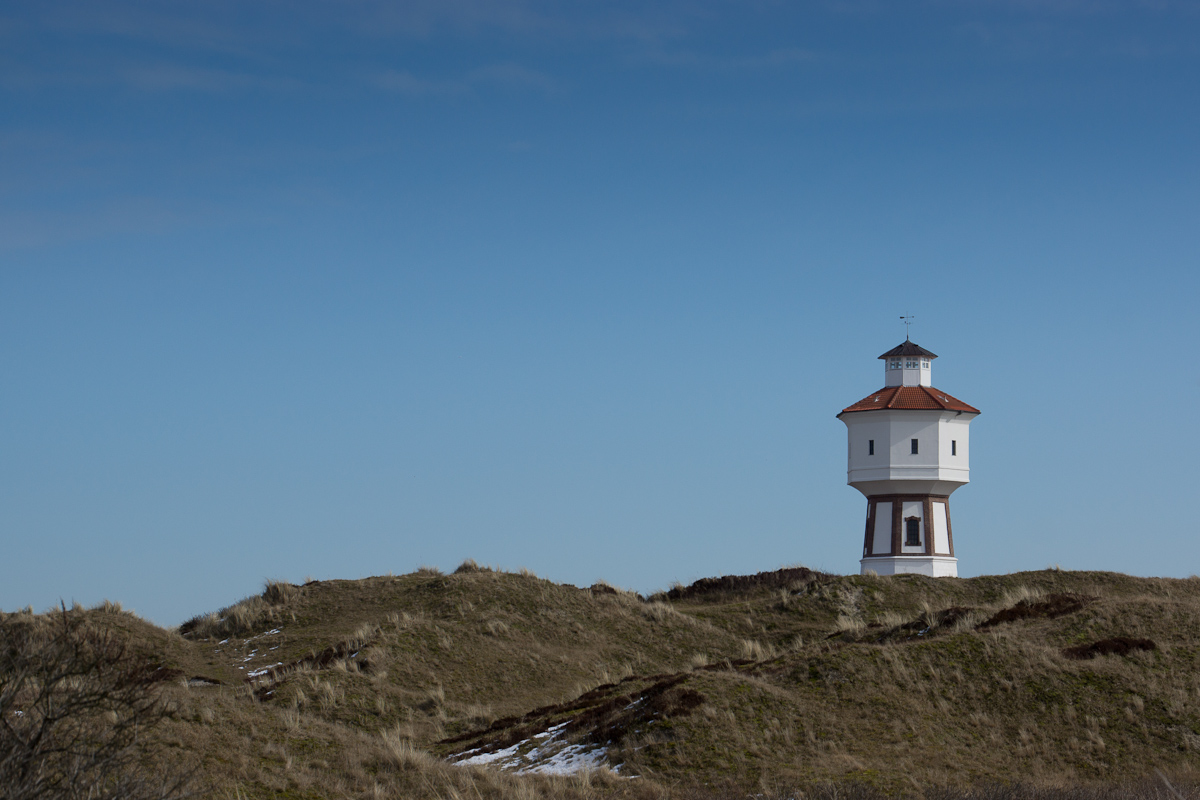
895	363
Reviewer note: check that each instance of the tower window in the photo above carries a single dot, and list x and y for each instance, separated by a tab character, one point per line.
914	447
912	532
895	363
953	447
871	447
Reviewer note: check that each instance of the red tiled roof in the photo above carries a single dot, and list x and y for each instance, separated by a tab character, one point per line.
910	397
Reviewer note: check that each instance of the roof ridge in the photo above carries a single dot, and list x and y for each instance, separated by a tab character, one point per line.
929	393
890	397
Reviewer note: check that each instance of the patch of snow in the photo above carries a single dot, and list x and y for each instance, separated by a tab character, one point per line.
546	753
488	758
550	731
567	761
263	671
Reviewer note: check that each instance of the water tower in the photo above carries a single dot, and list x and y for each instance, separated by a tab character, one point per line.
908	450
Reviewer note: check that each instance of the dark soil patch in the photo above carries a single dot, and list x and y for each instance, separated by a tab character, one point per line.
593	718
908	632
1049	607
612	720
1118	645
736	664
739	584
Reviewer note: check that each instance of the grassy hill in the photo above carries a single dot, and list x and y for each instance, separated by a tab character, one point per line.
484	683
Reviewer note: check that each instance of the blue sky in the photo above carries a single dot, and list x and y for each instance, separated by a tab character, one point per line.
336	289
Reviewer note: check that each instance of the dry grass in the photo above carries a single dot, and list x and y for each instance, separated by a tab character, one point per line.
756	651
849	624
249	615
658	611
1021	594
810	684
469	566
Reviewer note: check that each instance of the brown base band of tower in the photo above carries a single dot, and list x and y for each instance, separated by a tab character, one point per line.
897	523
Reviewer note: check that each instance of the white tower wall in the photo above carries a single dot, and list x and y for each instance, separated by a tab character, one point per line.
908	528
942	462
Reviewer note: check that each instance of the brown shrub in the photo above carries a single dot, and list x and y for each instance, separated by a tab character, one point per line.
1049	607
1118	646
736	584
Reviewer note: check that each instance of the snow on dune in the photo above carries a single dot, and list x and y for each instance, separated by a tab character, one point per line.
548	753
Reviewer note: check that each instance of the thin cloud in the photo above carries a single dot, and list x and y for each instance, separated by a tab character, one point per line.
599	21
683	59
405	83
426	17
167	78
140	216
788	55
147	78
505	75
207	27
513	76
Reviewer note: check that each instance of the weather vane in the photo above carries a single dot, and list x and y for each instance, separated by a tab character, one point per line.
908	318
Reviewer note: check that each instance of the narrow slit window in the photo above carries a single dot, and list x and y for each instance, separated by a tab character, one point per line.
914	447
871	447
953	447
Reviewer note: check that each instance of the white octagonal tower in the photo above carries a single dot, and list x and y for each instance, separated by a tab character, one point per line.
908	450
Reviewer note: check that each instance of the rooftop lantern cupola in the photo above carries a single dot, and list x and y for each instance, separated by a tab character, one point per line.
908	450
907	365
